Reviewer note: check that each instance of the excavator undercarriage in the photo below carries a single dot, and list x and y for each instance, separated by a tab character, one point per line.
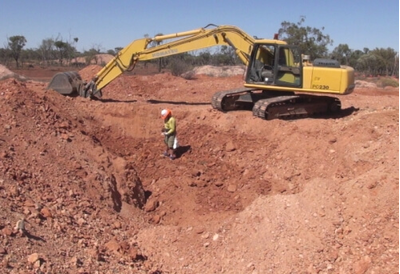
270	105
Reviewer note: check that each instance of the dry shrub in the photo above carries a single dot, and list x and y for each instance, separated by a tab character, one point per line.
179	67
388	82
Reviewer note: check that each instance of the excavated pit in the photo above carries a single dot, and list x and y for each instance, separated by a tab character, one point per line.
244	195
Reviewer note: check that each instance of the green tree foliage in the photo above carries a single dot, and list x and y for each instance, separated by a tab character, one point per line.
226	56
91	55
46	50
111	52
180	63
62	50
205	58
342	53
28	55
387	59
311	41
16	44
65	51
354	56
4	55
379	61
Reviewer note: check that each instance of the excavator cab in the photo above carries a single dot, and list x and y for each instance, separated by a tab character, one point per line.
275	73
275	65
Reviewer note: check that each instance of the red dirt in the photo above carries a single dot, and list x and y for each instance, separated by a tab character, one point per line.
245	196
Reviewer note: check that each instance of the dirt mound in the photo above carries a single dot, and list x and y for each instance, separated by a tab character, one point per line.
215	71
100	59
5	73
365	84
222	71
104	58
83	187
89	71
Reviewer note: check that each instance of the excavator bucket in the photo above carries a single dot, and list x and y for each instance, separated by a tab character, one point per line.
66	83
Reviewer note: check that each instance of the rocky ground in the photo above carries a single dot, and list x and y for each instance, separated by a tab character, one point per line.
83	188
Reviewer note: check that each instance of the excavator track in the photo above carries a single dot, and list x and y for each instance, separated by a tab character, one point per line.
270	105
296	106
228	100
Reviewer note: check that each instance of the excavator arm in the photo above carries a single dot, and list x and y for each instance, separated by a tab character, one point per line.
144	49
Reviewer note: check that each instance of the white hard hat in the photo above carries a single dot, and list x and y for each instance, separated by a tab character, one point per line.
165	113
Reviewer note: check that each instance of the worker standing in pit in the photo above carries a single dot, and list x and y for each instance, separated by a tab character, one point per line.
169	132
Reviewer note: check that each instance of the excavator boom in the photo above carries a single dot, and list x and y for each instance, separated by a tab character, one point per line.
151	48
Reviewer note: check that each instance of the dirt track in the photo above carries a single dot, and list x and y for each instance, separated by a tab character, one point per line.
244	196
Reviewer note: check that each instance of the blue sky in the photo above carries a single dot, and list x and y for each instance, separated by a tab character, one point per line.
110	24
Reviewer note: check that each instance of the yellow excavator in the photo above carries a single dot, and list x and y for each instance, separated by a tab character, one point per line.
280	82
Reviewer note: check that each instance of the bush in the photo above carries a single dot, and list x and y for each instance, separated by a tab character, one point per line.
388	82
178	67
189	75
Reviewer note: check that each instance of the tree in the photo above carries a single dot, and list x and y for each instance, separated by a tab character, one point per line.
342	54
62	50
204	58
73	52
91	55
46	50
311	41
386	60
354	56
16	44
111	52
230	56
379	61
4	55
29	55
65	49
367	63
117	49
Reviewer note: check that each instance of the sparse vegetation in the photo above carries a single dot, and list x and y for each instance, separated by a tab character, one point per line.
388	82
178	67
312	41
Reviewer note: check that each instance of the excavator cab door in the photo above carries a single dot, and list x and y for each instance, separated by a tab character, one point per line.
288	67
